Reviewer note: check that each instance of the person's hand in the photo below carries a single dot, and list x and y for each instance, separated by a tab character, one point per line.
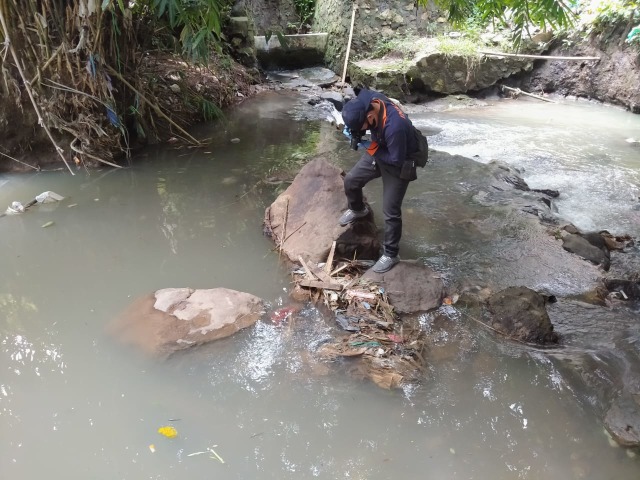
347	133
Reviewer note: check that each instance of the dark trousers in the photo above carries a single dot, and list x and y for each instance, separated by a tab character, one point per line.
393	190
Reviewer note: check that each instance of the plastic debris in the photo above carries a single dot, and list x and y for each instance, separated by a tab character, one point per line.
49	197
345	322
282	314
168	431
15	208
451	300
152	448
48	224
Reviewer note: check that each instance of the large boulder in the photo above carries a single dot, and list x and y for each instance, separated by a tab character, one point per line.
411	287
303	220
433	71
174	319
520	314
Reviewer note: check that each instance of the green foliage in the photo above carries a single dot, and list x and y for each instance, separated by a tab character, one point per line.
210	111
198	23
517	14
305	10
602	14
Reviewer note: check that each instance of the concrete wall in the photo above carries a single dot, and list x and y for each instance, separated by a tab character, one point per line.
267	15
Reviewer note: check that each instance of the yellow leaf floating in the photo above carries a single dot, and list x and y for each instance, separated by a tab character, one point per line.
168	432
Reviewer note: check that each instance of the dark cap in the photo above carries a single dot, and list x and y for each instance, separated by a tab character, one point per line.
354	114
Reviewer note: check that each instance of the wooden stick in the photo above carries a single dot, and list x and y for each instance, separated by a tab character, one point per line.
538	57
284	228
321	274
306	269
155	107
27	87
81	152
19	161
318	284
346	55
339	269
327	267
518	91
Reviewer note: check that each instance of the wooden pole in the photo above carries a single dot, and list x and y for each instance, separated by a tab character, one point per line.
27	87
538	57
346	55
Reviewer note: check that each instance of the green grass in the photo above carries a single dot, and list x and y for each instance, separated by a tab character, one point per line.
458	46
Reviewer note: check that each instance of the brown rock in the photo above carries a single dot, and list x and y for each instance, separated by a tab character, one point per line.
411	287
304	218
520	314
174	319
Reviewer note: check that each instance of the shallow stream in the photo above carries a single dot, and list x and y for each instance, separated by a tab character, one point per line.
75	404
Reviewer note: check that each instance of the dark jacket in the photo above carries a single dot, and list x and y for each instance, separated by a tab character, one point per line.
393	140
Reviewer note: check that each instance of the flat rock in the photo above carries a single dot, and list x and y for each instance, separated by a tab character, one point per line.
174	319
303	220
411	287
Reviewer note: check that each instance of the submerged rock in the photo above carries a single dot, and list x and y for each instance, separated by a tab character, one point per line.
174	319
519	313
303	220
623	420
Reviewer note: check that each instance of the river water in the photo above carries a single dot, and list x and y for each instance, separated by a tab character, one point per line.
75	404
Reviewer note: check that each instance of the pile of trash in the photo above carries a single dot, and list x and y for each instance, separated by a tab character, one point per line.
386	350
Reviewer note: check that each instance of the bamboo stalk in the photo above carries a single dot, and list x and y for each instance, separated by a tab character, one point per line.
19	161
518	91
27	87
155	107
346	55
538	57
81	152
46	65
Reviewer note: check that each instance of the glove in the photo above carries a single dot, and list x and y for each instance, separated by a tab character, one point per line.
347	133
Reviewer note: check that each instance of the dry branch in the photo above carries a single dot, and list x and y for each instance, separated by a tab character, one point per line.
517	91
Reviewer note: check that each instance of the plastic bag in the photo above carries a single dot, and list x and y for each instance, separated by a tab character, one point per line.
15	208
49	197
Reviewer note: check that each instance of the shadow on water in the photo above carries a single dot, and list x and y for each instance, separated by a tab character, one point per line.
75	404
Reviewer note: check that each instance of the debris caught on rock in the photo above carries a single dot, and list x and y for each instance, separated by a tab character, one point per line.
382	348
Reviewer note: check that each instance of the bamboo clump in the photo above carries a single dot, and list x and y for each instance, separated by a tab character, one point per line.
78	62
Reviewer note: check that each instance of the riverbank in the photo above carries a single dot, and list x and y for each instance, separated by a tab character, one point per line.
181	94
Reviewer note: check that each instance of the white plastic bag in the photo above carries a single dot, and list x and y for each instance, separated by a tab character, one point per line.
49	197
15	208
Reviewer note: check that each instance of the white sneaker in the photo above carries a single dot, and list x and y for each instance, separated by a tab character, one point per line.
351	216
385	263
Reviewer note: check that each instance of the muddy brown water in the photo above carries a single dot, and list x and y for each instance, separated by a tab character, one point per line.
75	404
